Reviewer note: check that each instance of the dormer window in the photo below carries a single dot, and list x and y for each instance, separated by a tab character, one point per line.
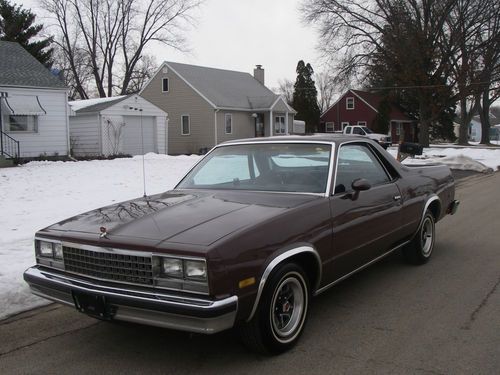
349	103
165	85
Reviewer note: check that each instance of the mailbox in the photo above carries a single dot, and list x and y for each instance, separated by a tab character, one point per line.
411	148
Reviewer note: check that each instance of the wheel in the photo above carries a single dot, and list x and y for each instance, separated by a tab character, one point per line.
419	250
281	314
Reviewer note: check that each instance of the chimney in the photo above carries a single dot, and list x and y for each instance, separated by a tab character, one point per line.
258	73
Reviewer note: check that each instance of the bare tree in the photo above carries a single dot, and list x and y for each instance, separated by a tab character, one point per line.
110	36
285	89
353	32
327	89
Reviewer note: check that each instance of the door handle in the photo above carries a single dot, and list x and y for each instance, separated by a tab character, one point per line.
397	197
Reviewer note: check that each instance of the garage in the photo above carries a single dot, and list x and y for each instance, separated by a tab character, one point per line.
132	139
123	125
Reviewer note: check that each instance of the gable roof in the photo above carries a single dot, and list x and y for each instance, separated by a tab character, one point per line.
19	68
373	100
224	89
95	105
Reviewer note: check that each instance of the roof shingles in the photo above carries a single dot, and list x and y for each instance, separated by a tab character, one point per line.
19	68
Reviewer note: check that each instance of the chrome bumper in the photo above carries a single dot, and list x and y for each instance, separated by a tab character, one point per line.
453	207
136	305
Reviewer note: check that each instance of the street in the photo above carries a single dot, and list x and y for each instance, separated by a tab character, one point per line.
392	318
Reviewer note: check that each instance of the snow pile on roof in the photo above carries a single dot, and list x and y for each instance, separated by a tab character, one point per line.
76	105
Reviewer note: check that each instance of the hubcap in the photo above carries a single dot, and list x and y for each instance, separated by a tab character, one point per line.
427	237
287	308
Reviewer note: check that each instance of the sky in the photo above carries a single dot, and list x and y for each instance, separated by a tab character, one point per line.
238	34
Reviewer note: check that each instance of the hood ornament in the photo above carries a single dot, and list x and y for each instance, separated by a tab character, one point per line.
104	233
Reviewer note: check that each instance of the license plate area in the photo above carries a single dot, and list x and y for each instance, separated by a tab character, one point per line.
92	304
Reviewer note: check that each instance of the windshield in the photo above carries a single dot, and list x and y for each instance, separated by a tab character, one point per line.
265	167
367	130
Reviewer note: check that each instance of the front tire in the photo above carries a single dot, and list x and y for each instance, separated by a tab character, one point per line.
282	312
419	250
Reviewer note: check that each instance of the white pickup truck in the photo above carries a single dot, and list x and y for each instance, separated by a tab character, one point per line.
383	139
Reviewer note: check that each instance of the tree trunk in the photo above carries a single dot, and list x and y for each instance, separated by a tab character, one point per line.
465	119
425	120
484	114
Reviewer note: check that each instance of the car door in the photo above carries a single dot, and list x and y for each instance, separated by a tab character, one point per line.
365	224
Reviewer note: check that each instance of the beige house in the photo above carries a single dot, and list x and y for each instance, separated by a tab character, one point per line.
207	106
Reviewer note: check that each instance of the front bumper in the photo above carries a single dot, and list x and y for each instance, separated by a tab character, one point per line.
138	305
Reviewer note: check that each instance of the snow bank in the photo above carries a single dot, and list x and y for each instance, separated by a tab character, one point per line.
39	194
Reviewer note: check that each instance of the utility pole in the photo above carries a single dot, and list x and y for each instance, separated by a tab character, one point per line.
2	95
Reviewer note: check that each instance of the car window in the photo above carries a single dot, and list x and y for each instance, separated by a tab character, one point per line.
358	131
264	167
348	130
367	130
357	161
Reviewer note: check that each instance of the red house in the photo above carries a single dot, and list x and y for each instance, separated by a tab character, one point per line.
357	107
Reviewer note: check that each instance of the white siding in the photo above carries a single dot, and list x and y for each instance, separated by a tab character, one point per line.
52	136
84	135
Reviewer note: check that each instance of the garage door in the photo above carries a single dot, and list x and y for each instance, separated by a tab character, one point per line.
132	138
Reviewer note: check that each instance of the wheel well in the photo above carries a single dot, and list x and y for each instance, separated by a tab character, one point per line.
310	265
435	209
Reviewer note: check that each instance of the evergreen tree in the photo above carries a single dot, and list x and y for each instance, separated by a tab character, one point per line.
305	97
18	25
382	120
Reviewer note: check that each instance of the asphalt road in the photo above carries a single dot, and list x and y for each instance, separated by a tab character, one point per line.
392	318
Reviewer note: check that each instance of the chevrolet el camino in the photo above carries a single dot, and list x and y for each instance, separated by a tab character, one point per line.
245	239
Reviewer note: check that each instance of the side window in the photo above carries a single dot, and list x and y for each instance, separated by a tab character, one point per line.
358	161
348	130
358	131
185	125
164	85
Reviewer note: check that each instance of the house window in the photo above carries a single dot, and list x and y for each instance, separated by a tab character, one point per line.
344	124
164	85
228	121
361	123
329	127
398	129
279	125
20	123
349	103
186	125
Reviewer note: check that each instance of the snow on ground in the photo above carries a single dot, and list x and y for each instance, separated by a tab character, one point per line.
475	159
39	194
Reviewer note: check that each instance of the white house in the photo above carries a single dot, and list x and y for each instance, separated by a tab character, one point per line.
117	125
33	106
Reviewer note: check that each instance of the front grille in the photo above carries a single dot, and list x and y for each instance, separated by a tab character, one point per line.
109	266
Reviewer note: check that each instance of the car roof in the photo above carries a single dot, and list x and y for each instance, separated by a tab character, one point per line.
337	138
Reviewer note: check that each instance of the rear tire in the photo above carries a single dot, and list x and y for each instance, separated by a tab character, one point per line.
281	314
419	250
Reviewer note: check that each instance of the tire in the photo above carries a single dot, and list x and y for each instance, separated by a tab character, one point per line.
419	250
281	314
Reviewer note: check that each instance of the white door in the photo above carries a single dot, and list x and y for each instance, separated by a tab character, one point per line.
133	139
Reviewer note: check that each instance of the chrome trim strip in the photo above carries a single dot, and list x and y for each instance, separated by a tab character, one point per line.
165	299
280	258
432	198
321	290
230	143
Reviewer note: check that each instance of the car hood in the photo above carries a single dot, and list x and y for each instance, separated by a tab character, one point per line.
188	217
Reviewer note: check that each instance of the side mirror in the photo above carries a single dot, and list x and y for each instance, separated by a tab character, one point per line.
360	184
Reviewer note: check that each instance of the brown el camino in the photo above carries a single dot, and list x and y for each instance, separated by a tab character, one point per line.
254	230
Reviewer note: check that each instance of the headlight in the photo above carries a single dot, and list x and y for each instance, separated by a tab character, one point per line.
196	270
49	253
172	267
181	273
382	139
45	249
48	249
